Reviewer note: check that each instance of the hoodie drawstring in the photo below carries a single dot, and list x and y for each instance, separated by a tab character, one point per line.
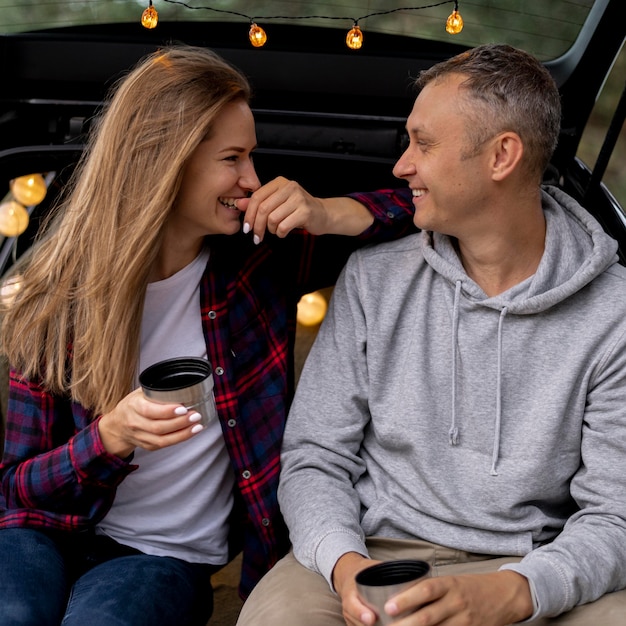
453	432
496	435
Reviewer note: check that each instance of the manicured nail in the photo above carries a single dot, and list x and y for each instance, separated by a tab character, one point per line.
257	240
195	417
197	428
246	228
180	410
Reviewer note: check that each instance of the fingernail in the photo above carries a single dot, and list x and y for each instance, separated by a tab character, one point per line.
366	618
180	410
246	228
195	417
257	240
197	428
391	608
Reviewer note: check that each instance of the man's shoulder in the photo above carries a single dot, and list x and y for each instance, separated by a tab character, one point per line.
618	272
410	244
611	284
613	278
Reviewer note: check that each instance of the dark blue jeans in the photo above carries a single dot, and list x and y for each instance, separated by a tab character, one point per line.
53	579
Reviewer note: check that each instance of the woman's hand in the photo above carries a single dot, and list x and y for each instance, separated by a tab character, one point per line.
282	205
139	422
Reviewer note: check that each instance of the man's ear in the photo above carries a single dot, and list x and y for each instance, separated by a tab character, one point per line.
508	150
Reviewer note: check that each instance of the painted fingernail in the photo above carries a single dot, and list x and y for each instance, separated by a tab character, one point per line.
195	417
257	240
180	410
197	428
246	228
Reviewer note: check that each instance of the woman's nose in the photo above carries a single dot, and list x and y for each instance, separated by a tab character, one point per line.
249	179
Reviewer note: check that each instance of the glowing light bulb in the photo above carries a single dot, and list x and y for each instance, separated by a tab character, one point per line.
257	36
454	23
354	38
150	17
312	308
29	190
13	219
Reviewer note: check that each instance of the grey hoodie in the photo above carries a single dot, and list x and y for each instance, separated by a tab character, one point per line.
493	425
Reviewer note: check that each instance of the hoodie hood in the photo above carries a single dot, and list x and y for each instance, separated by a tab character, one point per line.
576	251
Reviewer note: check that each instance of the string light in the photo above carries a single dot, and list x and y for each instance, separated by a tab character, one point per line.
354	38
150	17
454	23
29	190
257	35
312	308
24	191
13	219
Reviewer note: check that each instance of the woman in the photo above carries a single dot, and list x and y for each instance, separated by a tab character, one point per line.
116	509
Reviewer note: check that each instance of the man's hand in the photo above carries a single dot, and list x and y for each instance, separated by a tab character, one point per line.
347	567
494	599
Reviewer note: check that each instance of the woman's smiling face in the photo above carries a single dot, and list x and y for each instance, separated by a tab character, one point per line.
219	171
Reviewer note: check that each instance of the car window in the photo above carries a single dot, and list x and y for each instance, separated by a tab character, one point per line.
593	137
547	29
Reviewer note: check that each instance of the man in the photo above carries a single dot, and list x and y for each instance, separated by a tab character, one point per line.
465	401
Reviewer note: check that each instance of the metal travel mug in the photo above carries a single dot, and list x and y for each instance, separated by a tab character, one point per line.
184	380
378	583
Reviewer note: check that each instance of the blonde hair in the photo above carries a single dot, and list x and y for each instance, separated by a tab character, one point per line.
75	324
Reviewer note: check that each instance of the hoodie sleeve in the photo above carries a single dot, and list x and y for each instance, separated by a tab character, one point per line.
588	558
320	457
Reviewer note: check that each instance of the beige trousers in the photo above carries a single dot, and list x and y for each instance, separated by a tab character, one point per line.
291	594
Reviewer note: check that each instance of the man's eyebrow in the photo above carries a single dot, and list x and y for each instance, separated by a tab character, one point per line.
415	129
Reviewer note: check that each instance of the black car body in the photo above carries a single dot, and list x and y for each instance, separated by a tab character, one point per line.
328	116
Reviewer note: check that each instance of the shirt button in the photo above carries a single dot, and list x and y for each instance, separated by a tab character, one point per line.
212	315
232	423
219	371
246	474
265	521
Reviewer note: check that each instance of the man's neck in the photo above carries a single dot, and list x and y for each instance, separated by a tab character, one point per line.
506	256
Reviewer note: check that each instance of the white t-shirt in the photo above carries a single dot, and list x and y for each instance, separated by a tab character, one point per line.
178	502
